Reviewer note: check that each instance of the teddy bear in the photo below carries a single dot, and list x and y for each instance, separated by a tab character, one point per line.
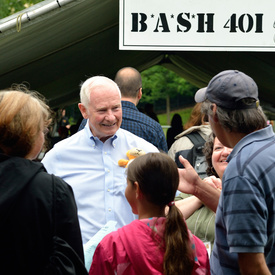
131	154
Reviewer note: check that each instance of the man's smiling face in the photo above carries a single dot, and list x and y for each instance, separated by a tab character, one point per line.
104	111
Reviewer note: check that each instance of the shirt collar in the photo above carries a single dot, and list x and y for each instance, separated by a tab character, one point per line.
258	135
128	104
95	141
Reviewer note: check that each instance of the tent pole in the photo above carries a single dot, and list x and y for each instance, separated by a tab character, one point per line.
26	15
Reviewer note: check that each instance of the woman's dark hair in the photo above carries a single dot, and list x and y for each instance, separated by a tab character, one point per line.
158	179
208	151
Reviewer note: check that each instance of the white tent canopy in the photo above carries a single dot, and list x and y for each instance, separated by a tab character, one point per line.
62	43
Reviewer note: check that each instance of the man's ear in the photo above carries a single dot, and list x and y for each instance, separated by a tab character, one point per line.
83	110
139	93
214	110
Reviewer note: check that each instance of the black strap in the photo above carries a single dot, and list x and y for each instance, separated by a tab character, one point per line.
63	259
196	138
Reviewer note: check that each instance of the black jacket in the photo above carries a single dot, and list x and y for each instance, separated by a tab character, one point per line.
26	216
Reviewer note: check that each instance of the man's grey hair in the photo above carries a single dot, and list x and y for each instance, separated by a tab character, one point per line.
242	120
91	83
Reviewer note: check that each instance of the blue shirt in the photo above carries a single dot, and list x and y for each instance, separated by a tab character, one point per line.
91	168
141	125
245	218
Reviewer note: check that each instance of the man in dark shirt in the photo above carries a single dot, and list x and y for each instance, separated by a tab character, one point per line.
129	82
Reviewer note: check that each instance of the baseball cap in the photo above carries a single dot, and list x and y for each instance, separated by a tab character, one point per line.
227	88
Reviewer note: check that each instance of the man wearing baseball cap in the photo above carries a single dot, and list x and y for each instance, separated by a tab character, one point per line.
245	215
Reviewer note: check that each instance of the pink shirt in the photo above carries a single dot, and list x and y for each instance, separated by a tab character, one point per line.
132	250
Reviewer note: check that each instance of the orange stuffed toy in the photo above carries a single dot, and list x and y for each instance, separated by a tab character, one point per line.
131	154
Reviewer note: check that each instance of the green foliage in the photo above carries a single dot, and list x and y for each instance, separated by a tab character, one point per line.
158	82
9	7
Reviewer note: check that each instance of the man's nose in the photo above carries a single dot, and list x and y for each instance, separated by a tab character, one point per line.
110	115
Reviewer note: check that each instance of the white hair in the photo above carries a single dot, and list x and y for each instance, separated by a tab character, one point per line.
91	83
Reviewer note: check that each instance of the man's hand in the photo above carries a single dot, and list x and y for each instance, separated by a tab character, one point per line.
188	177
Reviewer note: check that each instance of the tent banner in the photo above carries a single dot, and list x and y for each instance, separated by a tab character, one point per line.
196	25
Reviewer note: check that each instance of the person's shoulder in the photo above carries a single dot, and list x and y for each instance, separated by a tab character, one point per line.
26	170
200	128
41	182
44	180
108	240
205	130
151	121
126	230
146	120
44	177
140	118
181	143
126	103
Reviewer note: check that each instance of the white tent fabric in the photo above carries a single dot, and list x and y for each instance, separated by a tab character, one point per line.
62	43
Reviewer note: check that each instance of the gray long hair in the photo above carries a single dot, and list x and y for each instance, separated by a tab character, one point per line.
241	120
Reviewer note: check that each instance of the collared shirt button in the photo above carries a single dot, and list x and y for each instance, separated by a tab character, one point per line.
108	190
109	209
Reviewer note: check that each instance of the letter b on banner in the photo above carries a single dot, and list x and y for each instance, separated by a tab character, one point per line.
143	25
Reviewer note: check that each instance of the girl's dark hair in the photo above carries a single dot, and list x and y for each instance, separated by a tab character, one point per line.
158	179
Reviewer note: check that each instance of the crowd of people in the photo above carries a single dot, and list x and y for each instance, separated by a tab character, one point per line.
223	223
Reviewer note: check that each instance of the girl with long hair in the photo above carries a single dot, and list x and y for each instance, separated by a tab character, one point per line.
159	242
